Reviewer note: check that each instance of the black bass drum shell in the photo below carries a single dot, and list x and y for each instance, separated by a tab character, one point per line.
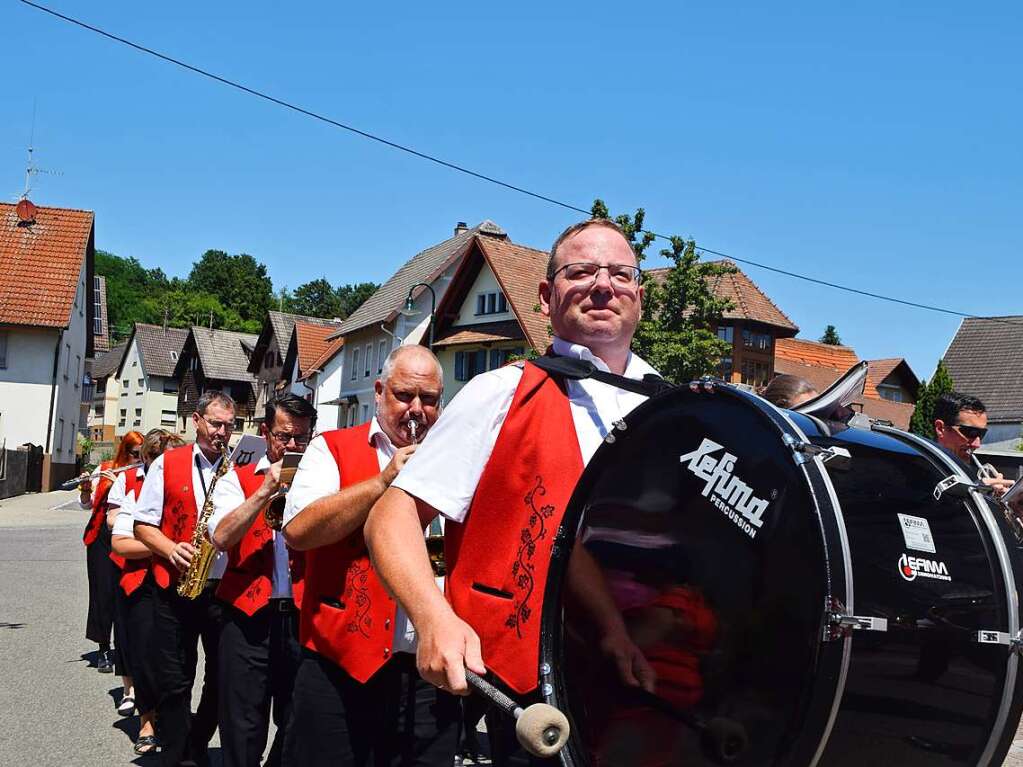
719	547
925	691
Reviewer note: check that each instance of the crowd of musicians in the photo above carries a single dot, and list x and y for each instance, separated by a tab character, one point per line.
336	624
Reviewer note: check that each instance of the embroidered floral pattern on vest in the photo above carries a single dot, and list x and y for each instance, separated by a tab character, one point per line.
523	568
355	588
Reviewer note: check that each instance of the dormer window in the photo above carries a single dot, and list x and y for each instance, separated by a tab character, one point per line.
491	303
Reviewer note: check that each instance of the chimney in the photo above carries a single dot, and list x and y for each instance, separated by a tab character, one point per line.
460	227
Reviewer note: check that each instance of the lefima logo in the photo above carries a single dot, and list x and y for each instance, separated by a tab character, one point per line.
911	568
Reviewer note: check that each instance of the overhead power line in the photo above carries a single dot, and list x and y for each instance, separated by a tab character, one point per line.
473	173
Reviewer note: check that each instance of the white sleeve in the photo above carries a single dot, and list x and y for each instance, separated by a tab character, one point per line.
317	476
448	465
124	522
116	495
227	496
149	507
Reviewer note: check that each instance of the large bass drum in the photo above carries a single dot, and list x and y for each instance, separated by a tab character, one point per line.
796	593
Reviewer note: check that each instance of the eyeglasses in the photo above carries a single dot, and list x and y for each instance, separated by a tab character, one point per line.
584	272
218	425
970	433
284	438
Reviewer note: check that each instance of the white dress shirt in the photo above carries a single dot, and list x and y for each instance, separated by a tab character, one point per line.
149	507
446	469
318	477
228	496
124	522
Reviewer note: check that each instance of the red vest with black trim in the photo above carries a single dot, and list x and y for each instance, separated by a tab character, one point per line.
347	614
132	487
247	583
498	559
98	518
179	512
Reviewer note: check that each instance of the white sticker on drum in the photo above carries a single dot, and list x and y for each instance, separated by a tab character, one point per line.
917	533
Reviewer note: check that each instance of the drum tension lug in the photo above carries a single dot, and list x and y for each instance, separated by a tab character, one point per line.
839	623
957	487
835	457
1014	643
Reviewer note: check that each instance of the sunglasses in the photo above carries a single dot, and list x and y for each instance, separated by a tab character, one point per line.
970	433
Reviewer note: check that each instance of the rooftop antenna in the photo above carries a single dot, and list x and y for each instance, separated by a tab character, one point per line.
31	169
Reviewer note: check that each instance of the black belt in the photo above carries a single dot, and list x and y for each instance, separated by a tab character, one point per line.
283	605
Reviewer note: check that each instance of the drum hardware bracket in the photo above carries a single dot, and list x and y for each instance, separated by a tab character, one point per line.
957	487
1014	643
835	457
840	624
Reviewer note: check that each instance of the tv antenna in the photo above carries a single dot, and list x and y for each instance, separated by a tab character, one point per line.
31	169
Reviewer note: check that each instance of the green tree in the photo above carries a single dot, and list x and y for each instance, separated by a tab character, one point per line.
316	299
239	282
676	332
922	422
354	295
830	336
130	288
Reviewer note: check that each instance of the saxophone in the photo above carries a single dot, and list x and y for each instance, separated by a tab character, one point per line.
193	580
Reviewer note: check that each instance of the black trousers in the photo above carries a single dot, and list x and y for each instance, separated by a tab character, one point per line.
103	575
139	610
179	625
259	657
394	720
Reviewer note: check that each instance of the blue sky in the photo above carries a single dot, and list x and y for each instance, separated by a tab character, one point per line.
874	144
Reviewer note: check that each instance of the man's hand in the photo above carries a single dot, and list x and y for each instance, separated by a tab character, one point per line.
447	646
632	665
998	484
181	555
108	474
397	464
272	479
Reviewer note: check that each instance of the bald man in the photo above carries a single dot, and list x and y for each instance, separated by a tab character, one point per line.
358	698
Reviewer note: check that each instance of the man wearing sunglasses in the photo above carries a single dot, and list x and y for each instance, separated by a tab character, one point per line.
259	650
508	451
960	423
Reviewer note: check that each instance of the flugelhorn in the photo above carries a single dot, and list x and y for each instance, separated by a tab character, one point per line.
987	471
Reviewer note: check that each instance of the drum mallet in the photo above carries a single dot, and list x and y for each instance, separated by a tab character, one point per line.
541	729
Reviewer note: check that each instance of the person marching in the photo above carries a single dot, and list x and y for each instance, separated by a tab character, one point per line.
173	495
510	437
358	699
102	572
259	650
134	599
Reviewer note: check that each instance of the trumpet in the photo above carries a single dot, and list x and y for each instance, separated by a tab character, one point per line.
71	484
435	533
987	471
273	514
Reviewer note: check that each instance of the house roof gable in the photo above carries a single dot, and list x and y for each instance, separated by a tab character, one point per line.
985	360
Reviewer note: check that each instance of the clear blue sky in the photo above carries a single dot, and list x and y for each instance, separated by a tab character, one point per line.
875	144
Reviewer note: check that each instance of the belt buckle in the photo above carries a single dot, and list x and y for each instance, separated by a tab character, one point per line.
285	605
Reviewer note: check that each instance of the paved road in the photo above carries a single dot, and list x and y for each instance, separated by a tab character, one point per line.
56	709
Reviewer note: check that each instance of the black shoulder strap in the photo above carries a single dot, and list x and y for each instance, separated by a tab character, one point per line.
577	369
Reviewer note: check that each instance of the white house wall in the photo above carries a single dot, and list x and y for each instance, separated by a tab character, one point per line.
70	372
25	385
485	282
142	398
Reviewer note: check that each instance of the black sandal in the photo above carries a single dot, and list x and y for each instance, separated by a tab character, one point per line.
145	745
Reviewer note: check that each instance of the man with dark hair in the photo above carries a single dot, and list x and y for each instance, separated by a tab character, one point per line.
960	423
259	650
168	508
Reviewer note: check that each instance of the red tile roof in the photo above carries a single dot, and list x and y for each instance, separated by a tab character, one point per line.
312	343
333	347
519	270
487	332
814	353
42	263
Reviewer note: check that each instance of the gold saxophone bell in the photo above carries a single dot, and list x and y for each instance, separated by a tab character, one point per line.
193	579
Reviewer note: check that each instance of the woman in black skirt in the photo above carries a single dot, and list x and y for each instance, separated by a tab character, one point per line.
135	593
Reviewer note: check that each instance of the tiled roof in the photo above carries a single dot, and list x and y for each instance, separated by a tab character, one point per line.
519	270
222	355
749	302
333	347
831	359
107	363
312	343
159	348
283	324
985	360
41	265
819	376
383	305
487	332
898	413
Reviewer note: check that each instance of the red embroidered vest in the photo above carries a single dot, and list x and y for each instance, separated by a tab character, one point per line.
347	614
247	583
132	486
498	559
134	570
98	518
179	511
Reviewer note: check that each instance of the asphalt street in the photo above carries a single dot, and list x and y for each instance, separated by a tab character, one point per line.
55	708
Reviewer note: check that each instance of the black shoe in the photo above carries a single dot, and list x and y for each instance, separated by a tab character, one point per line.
105	662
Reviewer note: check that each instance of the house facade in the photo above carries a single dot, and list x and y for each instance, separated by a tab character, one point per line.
216	359
106	388
45	330
147	385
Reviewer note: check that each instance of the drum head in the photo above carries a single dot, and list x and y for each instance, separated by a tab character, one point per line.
693	598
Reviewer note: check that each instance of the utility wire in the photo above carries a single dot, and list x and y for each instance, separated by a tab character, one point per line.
476	174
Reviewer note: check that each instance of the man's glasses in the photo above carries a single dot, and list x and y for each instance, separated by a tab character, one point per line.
970	433
218	425
284	438
584	273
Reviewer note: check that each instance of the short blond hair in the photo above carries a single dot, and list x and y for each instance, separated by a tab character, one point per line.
575	229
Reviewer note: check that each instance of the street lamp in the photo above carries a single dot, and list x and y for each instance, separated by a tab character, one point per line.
410	307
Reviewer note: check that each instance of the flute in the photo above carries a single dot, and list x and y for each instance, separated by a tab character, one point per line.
71	484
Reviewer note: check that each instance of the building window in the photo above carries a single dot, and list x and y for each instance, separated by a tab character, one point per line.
134	363
239	424
78	369
891	393
100	409
138	412
142	383
3	350
491	303
170	386
67	359
755	373
369	361
351	415
355	364
365	414
193	364
174	356
760	342
60	435
726	333
725	369
472	363
97	326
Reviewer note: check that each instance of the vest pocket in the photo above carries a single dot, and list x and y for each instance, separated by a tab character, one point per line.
491	591
332	603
